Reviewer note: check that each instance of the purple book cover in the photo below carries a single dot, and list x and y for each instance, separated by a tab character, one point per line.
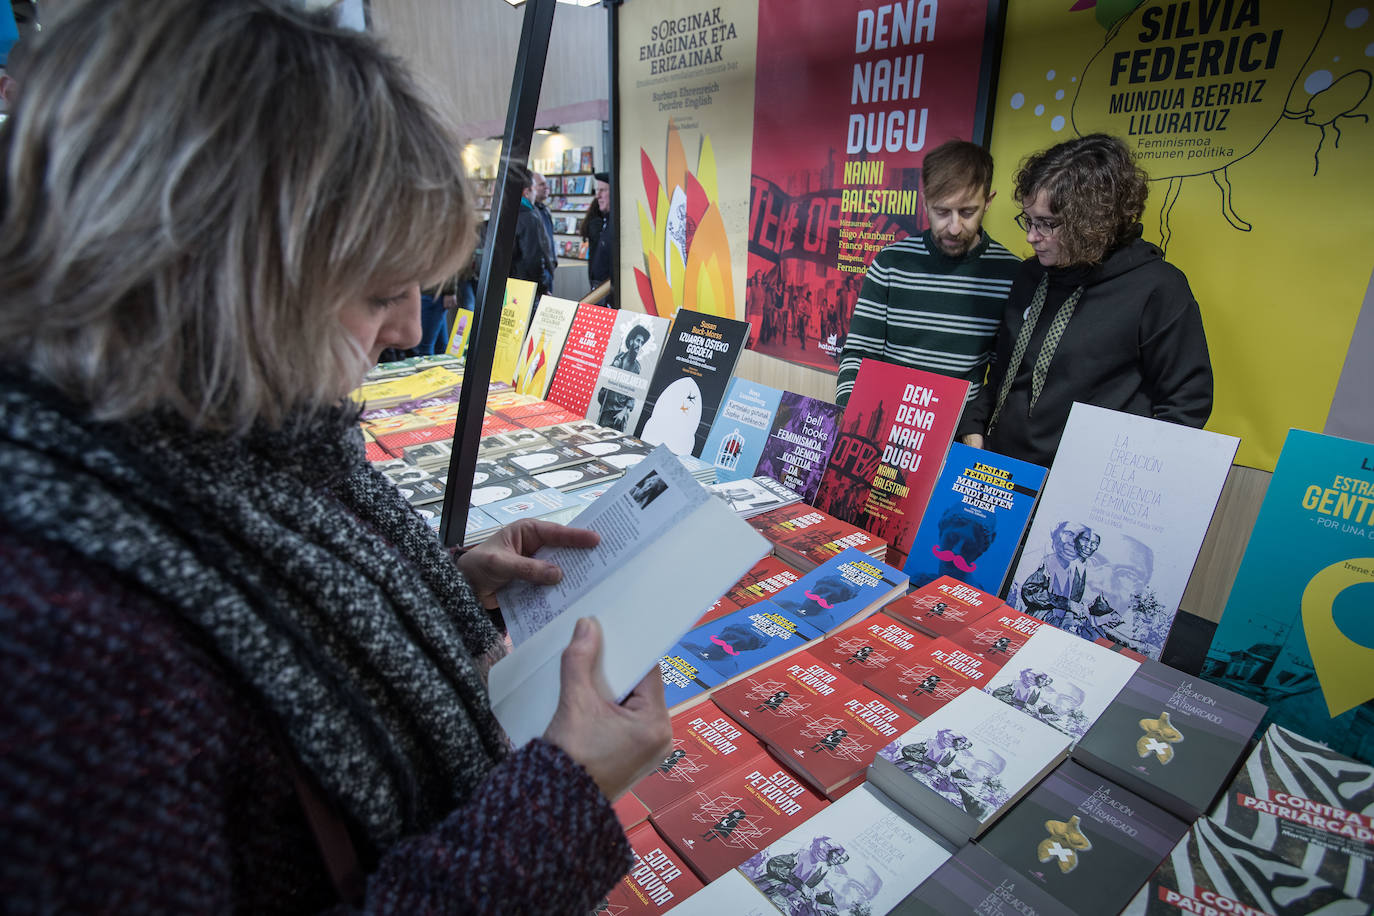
800	442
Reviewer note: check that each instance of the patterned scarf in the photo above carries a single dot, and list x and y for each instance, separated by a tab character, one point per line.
303	570
1047	347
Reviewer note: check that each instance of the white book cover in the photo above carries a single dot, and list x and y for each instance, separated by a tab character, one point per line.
655	518
730	894
1062	680
631	357
862	854
751	496
976	753
1119	525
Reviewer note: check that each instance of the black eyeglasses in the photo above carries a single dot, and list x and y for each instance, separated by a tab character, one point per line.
1045	227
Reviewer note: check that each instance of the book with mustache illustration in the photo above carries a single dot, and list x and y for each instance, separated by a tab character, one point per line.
846	588
737	643
975	520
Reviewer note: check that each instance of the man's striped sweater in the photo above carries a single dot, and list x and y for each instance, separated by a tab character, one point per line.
920	307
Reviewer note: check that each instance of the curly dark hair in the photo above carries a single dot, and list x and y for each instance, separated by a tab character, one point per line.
1094	185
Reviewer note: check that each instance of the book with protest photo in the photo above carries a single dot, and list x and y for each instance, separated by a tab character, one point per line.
898	424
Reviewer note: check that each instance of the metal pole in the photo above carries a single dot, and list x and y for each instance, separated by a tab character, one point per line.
612	160
496	258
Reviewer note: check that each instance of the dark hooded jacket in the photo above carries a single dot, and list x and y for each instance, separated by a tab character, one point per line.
1135	344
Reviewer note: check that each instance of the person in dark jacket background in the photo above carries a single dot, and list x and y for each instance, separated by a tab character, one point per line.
530	259
1097	315
601	254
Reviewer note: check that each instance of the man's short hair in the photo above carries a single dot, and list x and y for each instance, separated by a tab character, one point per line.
523	178
955	166
603	176
1094	186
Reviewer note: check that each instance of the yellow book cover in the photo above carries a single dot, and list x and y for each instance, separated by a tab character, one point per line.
515	314
458	339
398	423
425	384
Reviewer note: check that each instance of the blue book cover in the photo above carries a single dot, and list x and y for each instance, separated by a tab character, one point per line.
740	429
743	640
1298	631
685	676
976	517
848	586
800	442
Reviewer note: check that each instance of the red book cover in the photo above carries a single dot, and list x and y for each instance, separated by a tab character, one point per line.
551	415
867	647
706	743
492	424
808	537
944	607
925	681
832	744
768	699
630	811
731	819
898	425
999	635
397	443
375	451
583	352
657	881
767	577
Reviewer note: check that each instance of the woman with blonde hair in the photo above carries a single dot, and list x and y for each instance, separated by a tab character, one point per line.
240	672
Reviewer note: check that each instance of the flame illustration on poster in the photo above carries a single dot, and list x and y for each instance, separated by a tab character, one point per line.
1148	79
686	252
1332	651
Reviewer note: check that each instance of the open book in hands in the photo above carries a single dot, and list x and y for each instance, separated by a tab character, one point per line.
668	550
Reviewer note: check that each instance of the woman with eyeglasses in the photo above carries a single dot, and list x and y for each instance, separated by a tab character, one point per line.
1097	315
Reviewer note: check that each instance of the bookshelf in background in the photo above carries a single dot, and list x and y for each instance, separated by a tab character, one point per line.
571	192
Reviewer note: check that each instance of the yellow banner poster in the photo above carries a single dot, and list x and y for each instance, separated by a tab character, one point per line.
686	113
1251	117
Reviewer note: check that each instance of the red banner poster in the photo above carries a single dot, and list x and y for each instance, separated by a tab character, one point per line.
848	97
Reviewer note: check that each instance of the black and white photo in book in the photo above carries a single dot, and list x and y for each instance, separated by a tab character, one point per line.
647	490
636	341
